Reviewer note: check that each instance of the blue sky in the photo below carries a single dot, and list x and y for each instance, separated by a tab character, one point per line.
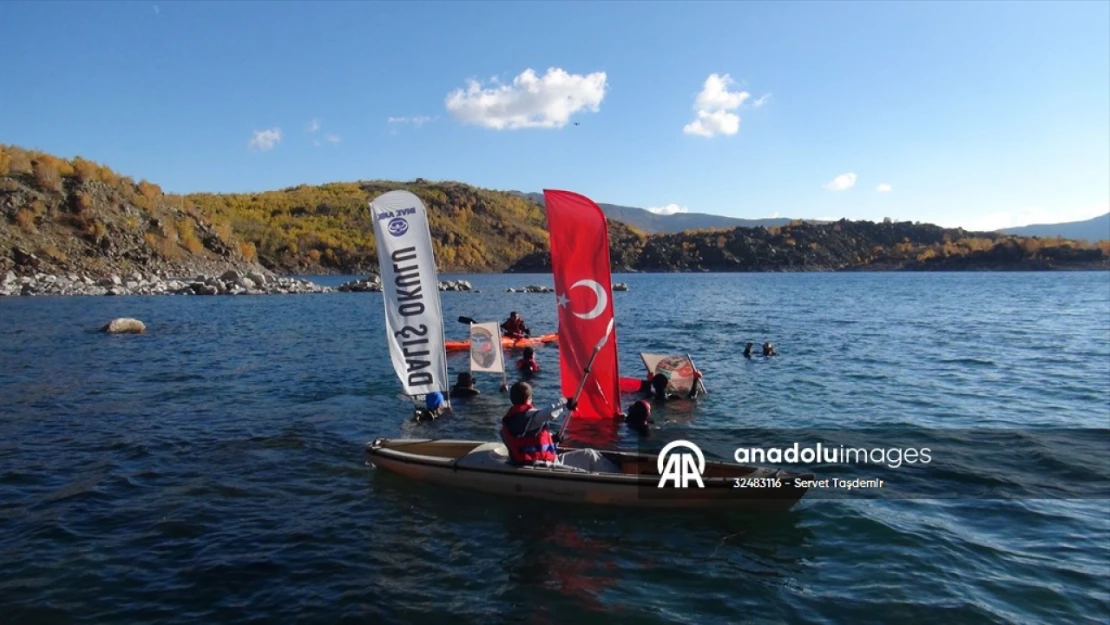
981	115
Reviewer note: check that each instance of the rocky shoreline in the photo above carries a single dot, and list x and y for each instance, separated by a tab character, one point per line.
534	288
230	282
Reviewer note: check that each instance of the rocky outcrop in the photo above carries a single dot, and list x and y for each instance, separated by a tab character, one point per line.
124	325
373	284
228	283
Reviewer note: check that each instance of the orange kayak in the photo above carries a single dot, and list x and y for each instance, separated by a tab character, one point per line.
507	343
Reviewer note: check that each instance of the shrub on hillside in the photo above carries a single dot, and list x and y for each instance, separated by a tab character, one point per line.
46	175
85	170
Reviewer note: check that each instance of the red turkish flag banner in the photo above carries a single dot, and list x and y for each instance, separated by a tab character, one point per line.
584	295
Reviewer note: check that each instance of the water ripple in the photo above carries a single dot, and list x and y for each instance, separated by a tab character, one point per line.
212	470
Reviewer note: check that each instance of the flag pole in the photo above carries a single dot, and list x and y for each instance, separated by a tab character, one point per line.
504	375
698	380
586	373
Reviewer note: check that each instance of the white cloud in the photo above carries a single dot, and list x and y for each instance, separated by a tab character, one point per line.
1024	216
314	125
264	140
330	138
841	182
712	124
713	104
669	209
884	188
531	101
715	94
773	215
761	100
156	9
415	121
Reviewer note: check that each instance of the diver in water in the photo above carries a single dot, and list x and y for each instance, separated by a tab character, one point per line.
528	365
748	350
638	417
434	407
769	350
659	388
464	386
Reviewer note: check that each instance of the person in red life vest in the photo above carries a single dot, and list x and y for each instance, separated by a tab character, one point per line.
527	365
525	432
514	327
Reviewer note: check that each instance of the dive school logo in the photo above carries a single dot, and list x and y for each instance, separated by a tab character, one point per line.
398	226
481	348
679	467
679	372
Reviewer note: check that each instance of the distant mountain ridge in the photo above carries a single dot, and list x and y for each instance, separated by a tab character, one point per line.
1096	229
652	223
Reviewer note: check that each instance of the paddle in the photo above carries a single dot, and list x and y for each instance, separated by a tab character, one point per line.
504	380
698	381
586	373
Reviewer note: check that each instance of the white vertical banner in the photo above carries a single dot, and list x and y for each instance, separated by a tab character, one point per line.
485	347
410	290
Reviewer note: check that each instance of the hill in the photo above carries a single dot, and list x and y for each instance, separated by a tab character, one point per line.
76	216
838	246
327	229
1096	229
650	222
61	216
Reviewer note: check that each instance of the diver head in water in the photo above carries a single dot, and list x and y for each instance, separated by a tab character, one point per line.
638	417
748	349
769	349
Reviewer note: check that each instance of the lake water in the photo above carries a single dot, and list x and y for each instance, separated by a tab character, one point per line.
212	470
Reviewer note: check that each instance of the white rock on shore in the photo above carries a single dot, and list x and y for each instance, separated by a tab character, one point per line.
373	283
228	283
124	325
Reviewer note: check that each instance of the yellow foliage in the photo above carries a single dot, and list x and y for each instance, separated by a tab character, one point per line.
85	170
108	176
46	175
53	252
248	251
5	162
82	202
149	190
223	228
26	219
19	160
162	245
188	236
94	229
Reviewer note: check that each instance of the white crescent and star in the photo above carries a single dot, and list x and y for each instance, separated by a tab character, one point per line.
599	292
